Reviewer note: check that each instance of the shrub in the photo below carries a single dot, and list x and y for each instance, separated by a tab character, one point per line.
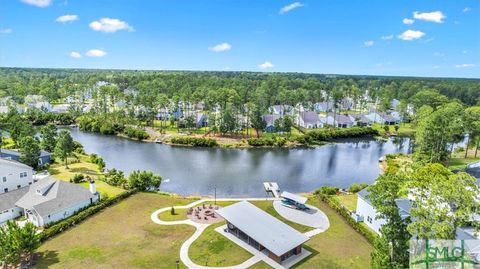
195	141
386	128
345	213
136	133
328	134
95	159
357	187
261	142
53	229
327	190
115	177
172	211
57	227
77	178
78	148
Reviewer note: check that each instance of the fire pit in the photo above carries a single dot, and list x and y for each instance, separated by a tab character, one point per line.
204	214
209	213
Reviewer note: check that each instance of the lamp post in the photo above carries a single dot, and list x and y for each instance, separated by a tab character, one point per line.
215	196
177	262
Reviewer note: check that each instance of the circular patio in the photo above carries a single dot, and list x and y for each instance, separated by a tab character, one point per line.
313	217
205	214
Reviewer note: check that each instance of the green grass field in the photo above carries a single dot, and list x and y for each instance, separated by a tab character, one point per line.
123	236
59	171
347	200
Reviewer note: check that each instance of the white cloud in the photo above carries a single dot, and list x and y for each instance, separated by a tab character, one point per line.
465	51
467	9
75	54
368	43
464	65
95	53
408	21
266	65
6	31
109	25
435	16
439	54
67	18
38	3
290	7
220	47
436	67
411	35
387	37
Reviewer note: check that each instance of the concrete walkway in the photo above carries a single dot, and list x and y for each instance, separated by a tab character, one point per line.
318	220
313	217
199	230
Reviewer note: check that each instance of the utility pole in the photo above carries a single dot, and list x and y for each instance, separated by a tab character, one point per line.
215	196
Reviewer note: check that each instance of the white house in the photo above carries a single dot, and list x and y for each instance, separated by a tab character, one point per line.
338	120
14	175
309	120
41	200
281	110
367	212
50	200
382	118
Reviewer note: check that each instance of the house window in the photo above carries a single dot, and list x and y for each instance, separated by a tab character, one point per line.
18	186
4	179
5	190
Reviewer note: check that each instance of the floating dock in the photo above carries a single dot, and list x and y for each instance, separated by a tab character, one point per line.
272	187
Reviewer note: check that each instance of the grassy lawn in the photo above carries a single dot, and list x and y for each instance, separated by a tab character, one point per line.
459	162
122	236
267	206
347	200
58	171
405	129
338	247
214	249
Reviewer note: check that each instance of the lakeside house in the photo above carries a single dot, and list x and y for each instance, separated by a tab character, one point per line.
44	158
40	200
309	120
263	231
360	120
38	102
323	107
281	110
62	108
367	213
201	120
382	118
270	122
339	120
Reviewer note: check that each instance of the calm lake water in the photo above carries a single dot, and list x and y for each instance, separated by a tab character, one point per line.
240	172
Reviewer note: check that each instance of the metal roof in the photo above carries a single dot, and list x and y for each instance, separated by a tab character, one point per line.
297	198
267	230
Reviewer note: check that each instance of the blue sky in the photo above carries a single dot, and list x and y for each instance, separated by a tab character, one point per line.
379	37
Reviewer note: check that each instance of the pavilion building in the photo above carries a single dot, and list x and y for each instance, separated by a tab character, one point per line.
263	231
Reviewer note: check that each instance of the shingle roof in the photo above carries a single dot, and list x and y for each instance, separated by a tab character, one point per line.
13	162
18	153
309	117
339	118
58	195
267	230
8	199
270	119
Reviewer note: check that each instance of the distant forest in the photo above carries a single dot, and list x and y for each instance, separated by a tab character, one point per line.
263	89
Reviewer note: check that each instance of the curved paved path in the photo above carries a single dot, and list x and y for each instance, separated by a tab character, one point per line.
314	217
201	227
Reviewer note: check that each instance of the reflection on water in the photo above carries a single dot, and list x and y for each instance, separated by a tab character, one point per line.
240	172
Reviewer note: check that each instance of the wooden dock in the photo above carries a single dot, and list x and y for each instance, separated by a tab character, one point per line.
272	187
